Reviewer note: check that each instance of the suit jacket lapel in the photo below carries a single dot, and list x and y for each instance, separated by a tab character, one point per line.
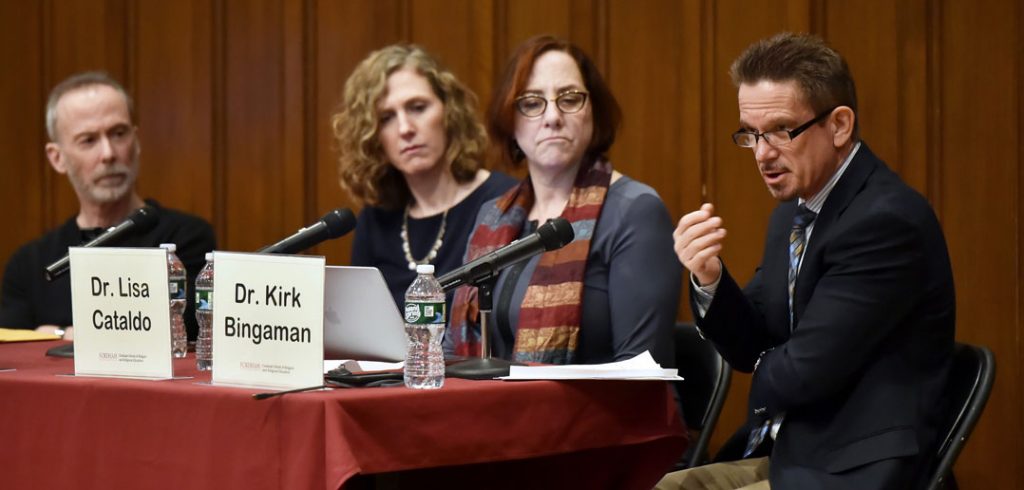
843	193
775	270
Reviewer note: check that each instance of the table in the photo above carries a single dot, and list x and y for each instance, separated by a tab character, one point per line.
66	432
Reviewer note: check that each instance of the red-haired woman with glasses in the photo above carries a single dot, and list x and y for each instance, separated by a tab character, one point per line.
613	292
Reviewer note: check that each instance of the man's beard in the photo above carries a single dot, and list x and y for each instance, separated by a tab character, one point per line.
101	194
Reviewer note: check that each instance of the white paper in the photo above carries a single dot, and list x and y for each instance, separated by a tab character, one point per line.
641	367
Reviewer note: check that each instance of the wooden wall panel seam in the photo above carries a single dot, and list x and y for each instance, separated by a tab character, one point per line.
901	100
404	22
708	96
500	46
47	205
819	18
934	99
282	114
218	79
310	151
131	39
1019	321
602	38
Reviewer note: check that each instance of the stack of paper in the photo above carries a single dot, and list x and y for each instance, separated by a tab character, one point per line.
641	367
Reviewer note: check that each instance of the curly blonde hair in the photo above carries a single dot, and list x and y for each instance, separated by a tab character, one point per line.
363	168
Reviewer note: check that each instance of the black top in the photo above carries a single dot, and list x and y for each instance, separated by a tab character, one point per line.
29	300
378	242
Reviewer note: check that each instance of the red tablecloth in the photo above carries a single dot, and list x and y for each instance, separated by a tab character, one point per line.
67	432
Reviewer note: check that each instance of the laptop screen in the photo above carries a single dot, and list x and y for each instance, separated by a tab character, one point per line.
361	320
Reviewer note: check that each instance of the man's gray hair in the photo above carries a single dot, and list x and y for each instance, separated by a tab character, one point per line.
74	82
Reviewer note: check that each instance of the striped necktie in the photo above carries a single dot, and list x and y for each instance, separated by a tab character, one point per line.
797	241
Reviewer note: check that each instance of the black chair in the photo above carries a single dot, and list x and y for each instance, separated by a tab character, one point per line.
702	392
970	383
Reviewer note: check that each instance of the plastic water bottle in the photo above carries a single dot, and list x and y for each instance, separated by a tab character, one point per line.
176	288
204	316
424	327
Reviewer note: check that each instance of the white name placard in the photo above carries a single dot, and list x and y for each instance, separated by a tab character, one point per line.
121	312
268	320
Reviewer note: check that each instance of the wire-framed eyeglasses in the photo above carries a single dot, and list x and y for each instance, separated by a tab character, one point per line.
780	137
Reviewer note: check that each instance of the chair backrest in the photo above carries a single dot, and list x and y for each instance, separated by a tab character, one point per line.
705	384
969	385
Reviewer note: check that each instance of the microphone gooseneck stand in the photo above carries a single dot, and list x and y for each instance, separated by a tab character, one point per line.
485	366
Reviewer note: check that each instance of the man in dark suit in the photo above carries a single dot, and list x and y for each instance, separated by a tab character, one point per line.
848	323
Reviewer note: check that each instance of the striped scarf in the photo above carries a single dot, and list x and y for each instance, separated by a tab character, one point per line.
549	317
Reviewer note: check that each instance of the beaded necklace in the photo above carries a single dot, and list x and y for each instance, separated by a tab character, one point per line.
406	249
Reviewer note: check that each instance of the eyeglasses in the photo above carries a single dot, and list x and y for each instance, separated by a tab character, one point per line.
533	105
781	137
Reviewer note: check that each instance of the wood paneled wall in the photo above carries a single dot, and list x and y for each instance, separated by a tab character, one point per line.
234	98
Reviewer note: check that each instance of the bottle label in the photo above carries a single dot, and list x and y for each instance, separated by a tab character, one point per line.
424	313
176	288
204	300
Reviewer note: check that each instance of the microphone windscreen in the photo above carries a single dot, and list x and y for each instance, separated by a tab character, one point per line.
144	218
339	222
556	234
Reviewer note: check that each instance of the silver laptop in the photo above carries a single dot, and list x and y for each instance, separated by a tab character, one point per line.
361	320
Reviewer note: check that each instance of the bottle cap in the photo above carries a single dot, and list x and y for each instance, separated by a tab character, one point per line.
209	256
425	269
169	246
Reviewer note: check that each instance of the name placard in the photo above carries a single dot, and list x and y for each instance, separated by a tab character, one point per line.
268	320
121	312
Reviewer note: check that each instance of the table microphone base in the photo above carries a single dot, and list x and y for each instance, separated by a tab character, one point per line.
480	368
67	350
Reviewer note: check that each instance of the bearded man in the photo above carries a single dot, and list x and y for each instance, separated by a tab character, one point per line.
93	140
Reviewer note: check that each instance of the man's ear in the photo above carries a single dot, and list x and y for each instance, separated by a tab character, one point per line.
842	122
56	158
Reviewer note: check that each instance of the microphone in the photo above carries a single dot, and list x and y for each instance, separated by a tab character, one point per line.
552	235
141	220
332	225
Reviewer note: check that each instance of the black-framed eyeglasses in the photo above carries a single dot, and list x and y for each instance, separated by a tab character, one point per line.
780	137
533	105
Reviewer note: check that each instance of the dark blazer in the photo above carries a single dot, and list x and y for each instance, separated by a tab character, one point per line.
860	375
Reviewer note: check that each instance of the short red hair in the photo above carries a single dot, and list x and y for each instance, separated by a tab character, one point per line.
501	113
